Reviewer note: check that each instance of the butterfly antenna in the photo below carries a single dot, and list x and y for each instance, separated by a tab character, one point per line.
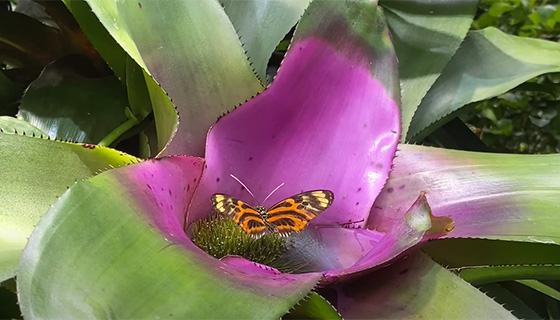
272	192
244	186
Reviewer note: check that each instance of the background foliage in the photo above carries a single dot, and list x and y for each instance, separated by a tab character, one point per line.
524	120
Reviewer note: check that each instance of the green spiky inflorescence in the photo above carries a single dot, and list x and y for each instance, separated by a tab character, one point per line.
220	236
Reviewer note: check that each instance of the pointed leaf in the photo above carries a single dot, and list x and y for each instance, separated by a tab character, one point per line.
191	49
415	288
313	307
34	173
489	274
70	107
497	196
130	257
261	25
426	34
488	63
14	125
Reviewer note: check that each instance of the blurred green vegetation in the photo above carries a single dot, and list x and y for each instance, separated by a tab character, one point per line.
526	119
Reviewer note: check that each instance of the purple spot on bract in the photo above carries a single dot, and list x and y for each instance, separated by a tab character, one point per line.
242	188
188	187
365	125
195	179
250	158
359	189
161	204
390	189
357	203
401	187
170	193
149	186
217	179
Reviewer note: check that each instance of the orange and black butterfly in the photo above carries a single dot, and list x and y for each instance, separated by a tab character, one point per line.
287	216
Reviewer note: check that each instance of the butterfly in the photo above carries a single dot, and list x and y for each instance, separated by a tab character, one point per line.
287	216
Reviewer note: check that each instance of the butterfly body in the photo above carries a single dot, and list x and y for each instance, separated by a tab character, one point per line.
289	215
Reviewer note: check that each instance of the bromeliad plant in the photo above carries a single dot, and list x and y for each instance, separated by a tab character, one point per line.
120	244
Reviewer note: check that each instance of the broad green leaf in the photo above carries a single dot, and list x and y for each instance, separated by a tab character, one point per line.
495	196
458	253
313	306
488	64
192	51
426	34
415	288
70	107
34	173
14	125
261	25
489	274
130	258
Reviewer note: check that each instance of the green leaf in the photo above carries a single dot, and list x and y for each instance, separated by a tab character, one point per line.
70	107
126	256
14	125
489	274
509	301
457	253
34	173
415	288
137	89
261	25
542	288
488	64
313	306
192	51
426	35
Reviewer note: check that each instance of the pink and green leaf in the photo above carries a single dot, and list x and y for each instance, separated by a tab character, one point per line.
130	254
329	120
495	196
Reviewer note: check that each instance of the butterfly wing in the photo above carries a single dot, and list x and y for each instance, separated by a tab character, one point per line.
243	214
294	213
